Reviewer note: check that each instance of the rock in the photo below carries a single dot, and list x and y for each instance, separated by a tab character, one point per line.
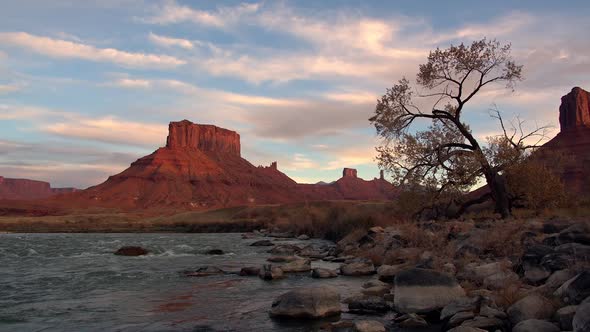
413	321
581	321
299	265
270	272
580	252
579	233
349	173
576	289
368	326
557	261
376	283
205	271
387	272
466	329
247	236
357	269
311	252
131	251
215	252
557	279
536	274
303	237
565	316
285	250
449	268
282	235
282	259
308	302
535	325
500	280
460	317
487	311
485	323
376	290
250	271
574	111
475	272
368	305
533	306
320	273
421	290
262	243
459	305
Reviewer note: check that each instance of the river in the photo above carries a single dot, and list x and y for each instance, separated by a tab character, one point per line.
73	282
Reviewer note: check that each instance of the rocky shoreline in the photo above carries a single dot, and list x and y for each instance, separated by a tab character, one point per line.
542	285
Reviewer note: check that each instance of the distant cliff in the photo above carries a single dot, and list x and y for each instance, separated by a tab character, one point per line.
25	189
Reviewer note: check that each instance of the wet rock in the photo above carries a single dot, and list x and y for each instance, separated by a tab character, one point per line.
368	305
565	316
250	271
285	249
298	265
204	271
303	237
412	321
421	290
576	289
581	321
579	233
357	269
377	290
308	302
368	326
320	273
270	272
533	306
282	259
376	283
214	252
535	325
312	252
131	251
283	235
262	243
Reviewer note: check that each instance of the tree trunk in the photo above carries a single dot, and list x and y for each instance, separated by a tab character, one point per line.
497	185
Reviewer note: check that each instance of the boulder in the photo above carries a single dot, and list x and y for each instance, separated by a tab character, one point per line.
285	250
459	305
535	325
500	280
581	321
565	316
533	306
250	271
460	317
282	259
131	251
557	279
412	321
487	311
205	271
479	272
321	273
420	290
376	290
557	261
303	237
367	305
579	233
368	326
298	265
387	273
362	268
307	302
262	243
270	272
485	323
312	252
536	274
375	283
576	289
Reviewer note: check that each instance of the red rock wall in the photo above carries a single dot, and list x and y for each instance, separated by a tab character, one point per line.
349	172
209	138
24	189
574	111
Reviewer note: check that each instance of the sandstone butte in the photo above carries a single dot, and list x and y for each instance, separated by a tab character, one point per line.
568	153
201	167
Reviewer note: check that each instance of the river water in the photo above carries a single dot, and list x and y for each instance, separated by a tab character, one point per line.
73	282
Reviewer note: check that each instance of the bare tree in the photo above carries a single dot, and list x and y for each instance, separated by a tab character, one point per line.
447	157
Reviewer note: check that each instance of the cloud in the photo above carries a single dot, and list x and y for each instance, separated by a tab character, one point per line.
9	88
173	13
170	42
59	48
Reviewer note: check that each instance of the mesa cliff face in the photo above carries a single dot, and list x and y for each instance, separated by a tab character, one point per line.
201	167
572	144
25	189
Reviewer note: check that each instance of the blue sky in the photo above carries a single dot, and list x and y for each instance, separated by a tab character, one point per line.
87	87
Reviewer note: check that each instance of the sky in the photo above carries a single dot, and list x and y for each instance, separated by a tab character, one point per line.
87	87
